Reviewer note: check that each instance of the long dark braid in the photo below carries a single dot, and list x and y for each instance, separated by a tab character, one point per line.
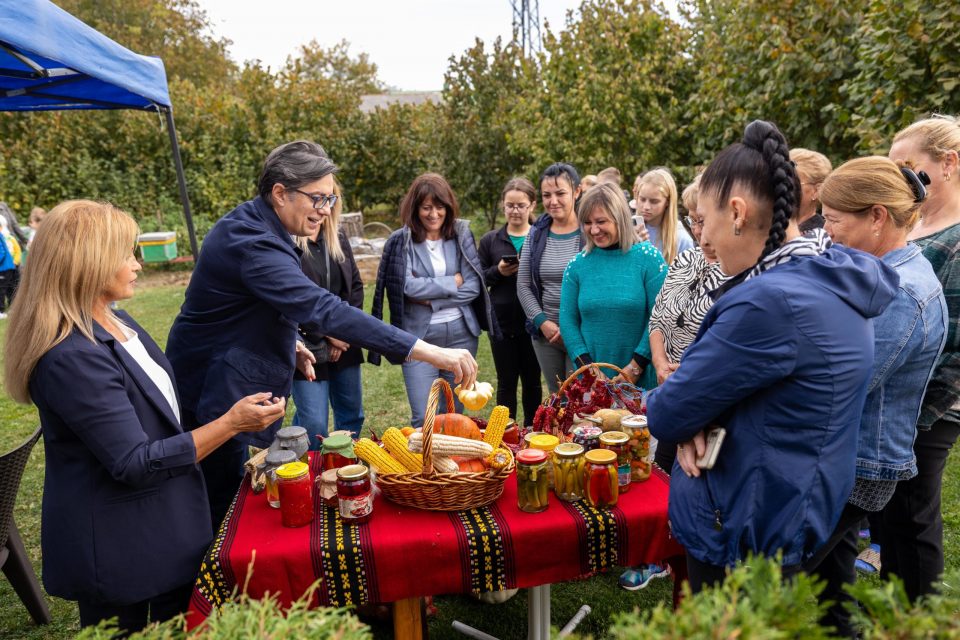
764	137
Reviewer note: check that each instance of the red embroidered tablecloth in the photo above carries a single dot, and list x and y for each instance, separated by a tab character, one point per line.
404	553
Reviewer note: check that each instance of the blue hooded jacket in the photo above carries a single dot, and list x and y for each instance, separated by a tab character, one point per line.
782	362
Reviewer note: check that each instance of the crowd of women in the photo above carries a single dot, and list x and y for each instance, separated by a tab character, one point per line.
809	312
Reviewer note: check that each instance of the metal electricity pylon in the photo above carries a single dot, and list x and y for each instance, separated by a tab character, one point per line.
526	24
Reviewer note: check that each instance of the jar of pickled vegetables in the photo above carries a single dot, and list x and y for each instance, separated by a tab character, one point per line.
616	441
601	486
275	460
532	489
295	439
639	445
296	494
546	442
353	492
337	451
587	435
568	471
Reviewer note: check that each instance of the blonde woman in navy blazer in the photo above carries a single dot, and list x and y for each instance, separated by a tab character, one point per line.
125	514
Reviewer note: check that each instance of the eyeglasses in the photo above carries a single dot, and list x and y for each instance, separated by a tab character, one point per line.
319	202
516	207
694	222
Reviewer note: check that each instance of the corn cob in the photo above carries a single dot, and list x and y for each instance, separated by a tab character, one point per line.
496	426
450	446
445	465
369	452
396	444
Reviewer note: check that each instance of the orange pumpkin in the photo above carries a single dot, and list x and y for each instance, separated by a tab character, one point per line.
457	424
407	431
473	465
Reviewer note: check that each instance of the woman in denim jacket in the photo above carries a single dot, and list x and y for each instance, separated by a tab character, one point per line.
870	204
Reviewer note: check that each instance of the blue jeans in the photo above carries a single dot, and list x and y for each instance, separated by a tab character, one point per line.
343	390
419	376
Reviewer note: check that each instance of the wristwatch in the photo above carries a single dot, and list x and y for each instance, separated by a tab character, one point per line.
633	369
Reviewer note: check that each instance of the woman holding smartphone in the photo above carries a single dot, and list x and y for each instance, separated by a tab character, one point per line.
500	249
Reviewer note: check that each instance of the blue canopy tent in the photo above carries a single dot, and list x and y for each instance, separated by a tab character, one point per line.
50	60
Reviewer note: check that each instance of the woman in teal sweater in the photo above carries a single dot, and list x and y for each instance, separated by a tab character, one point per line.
609	289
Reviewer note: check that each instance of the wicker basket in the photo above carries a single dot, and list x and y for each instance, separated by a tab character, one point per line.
560	395
442	491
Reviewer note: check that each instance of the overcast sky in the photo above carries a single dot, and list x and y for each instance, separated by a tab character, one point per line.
409	40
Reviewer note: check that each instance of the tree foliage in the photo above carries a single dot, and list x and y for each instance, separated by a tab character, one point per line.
621	83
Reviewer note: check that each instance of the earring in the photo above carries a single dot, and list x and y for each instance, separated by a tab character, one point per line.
876	233
736	230
946	177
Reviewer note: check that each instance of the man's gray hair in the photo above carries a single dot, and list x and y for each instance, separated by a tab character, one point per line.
293	165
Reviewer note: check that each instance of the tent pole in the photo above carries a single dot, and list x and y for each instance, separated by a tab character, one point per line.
181	181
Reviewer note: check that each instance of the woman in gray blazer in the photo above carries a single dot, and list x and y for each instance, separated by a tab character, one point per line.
432	276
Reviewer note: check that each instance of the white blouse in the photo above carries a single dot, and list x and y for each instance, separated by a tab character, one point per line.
439	264
154	371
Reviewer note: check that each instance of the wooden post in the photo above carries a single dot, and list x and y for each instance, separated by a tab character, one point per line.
409	621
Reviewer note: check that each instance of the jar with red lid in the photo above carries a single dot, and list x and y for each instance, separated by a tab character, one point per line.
617	442
337	451
354	493
296	494
533	483
601	485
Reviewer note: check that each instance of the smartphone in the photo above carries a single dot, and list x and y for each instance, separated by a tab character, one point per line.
511	259
715	439
638	221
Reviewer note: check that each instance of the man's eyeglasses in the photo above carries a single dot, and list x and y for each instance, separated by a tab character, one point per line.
694	222
319	202
516	207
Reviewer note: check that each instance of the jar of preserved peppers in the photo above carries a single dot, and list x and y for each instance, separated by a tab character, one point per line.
587	436
639	445
354	494
296	494
547	443
616	441
275	460
337	451
533	492
295	439
601	486
568	471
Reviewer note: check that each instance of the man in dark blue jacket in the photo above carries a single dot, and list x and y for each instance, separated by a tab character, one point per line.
237	328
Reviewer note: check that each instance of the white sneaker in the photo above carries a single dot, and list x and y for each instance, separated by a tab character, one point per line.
2	315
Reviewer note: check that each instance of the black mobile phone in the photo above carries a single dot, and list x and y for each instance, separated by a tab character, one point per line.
511	259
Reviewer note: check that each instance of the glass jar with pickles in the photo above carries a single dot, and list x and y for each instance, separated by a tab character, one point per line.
568	467
601	485
533	492
546	442
616	441
639	445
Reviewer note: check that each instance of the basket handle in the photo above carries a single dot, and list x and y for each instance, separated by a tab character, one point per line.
428	418
592	365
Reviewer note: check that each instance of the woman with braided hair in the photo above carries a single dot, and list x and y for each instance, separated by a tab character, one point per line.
770	366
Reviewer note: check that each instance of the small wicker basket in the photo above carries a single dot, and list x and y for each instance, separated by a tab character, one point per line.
442	491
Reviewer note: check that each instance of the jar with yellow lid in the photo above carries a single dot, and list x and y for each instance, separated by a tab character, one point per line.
568	471
296	494
617	442
639	445
275	460
601	486
546	443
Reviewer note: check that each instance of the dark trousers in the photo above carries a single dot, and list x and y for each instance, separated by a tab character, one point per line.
666	455
134	617
223	472
702	574
835	563
8	285
514	359
911	526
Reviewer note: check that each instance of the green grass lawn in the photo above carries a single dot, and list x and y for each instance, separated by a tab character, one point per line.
385	405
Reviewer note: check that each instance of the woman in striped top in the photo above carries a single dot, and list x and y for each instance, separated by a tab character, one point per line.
551	244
